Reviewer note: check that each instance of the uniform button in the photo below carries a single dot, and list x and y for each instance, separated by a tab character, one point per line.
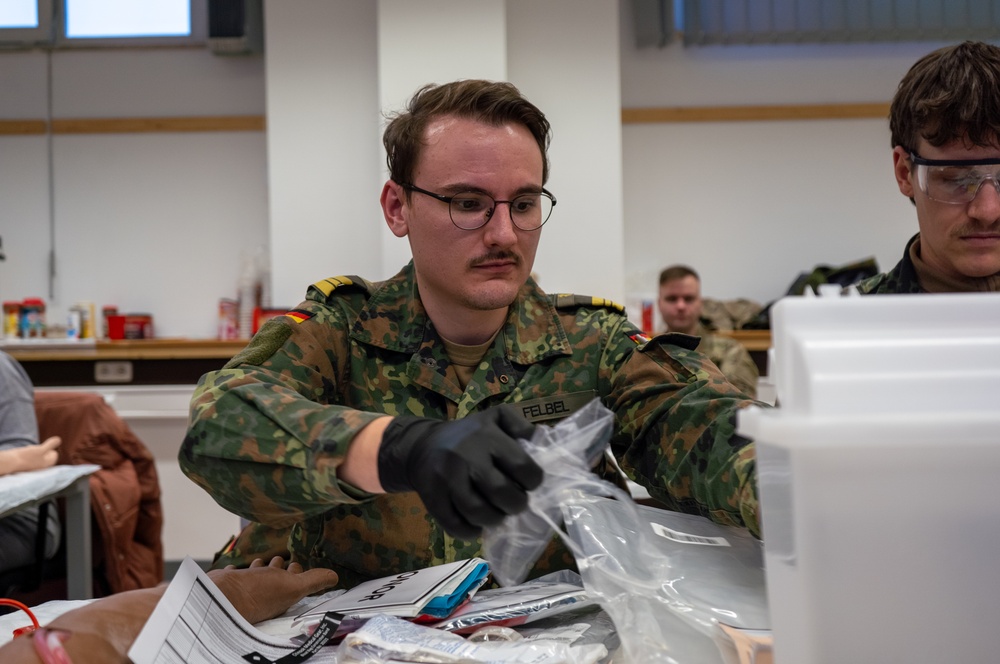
504	379
107	506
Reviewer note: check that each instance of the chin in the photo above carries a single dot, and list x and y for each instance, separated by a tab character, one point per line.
981	272
490	299
979	267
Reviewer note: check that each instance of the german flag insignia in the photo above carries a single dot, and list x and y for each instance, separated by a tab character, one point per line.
299	315
639	338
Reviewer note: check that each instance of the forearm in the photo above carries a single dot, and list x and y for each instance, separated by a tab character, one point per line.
11	461
100	632
250	431
17	460
360	467
676	434
717	481
104	630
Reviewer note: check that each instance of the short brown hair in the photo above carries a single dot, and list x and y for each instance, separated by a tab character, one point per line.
952	93
494	103
677	272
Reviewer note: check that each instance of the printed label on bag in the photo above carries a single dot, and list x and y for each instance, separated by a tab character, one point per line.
687	538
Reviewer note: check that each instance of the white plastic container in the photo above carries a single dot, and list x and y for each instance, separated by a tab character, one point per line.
879	478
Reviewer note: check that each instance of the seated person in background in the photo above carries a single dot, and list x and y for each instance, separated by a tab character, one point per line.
20	451
102	631
945	124
376	425
680	307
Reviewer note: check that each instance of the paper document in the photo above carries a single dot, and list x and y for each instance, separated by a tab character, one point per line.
194	623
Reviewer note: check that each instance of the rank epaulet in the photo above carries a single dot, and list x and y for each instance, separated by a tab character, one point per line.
330	284
570	301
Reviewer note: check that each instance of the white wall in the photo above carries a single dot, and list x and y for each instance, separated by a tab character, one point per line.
564	57
151	223
418	44
322	101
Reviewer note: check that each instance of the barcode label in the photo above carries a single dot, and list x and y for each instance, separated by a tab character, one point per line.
687	538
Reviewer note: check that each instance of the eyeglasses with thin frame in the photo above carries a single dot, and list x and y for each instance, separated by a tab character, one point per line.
954	181
470	210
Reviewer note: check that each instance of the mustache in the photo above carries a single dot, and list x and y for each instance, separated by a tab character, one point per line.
496	256
992	229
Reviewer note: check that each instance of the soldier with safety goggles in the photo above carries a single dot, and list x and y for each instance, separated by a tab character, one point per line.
945	124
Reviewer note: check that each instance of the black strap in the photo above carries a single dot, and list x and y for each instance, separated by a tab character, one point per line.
321	636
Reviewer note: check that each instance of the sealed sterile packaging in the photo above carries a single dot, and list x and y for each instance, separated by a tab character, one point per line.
680	589
385	639
542	598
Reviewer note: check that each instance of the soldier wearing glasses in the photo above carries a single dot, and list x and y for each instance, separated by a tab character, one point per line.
945	123
373	429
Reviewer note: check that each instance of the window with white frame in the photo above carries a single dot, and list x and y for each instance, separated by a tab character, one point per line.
69	23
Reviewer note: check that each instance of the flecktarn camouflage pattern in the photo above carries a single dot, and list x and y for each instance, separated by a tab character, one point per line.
900	280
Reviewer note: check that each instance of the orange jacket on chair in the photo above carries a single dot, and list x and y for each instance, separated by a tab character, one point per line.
124	494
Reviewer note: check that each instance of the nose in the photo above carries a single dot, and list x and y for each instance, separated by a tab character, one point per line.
985	206
500	229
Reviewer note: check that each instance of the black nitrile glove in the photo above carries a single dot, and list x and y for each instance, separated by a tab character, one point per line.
470	473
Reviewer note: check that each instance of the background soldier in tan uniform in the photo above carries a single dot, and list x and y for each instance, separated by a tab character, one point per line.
680	306
374	429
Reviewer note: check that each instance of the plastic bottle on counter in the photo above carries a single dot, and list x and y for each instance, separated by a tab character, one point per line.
229	314
88	325
11	319
106	311
247	298
263	278
74	323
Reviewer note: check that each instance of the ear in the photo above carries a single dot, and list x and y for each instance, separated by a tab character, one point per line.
903	169
395	208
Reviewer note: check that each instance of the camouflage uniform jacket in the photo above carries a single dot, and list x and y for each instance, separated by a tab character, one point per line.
900	280
732	359
268	431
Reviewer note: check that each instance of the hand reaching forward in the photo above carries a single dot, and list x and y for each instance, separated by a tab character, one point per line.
261	592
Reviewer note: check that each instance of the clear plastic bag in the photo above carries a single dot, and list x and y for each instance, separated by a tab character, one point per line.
567	452
668	580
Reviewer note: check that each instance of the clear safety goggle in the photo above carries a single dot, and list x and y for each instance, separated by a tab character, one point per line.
955	181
